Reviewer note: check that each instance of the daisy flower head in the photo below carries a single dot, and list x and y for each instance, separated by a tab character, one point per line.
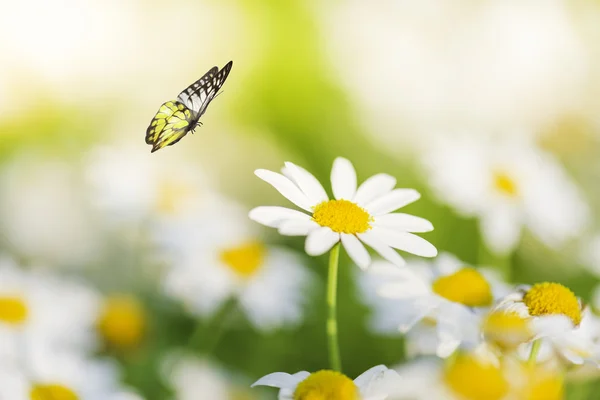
121	322
559	323
508	185
355	216
32	312
446	296
226	259
376	383
62	376
193	378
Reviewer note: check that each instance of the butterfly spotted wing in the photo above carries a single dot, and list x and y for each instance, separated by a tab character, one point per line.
175	119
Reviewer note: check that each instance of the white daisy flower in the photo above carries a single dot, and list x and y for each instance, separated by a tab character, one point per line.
375	384
445	299
51	375
224	258
508	185
558	321
192	378
471	376
32	312
132	185
354	216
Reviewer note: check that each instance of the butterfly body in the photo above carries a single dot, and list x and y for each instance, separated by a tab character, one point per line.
176	118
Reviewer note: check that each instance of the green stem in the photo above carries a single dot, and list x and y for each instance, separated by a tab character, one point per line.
535	349
207	336
332	327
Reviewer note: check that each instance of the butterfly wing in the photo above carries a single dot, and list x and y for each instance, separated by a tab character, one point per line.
172	122
199	94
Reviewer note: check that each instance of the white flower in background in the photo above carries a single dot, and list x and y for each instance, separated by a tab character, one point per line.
559	320
356	215
425	75
376	383
443	300
471	376
192	379
224	259
508	185
43	213
590	255
132	185
51	375
37	310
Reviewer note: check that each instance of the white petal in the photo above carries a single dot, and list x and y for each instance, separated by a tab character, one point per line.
356	250
286	187
276	379
273	216
374	187
320	241
306	181
366	377
383	249
406	242
392	201
405	222
296	227
501	228
343	179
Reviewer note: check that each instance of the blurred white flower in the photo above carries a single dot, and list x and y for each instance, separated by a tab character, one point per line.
590	255
558	320
424	75
132	185
52	375
444	301
192	379
376	383
507	184
43	213
356	215
223	258
471	376
33	314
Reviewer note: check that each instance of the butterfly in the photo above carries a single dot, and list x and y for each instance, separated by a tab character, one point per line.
176	118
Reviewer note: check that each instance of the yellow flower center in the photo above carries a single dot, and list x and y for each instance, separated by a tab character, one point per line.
506	329
171	195
466	286
342	216
552	298
245	259
543	385
505	184
51	392
122	322
13	310
474	380
326	385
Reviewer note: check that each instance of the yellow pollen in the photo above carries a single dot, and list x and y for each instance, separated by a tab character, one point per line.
171	195
122	322
466	286
342	216
505	184
245	259
506	329
552	298
326	385
474	380
13	310
51	392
